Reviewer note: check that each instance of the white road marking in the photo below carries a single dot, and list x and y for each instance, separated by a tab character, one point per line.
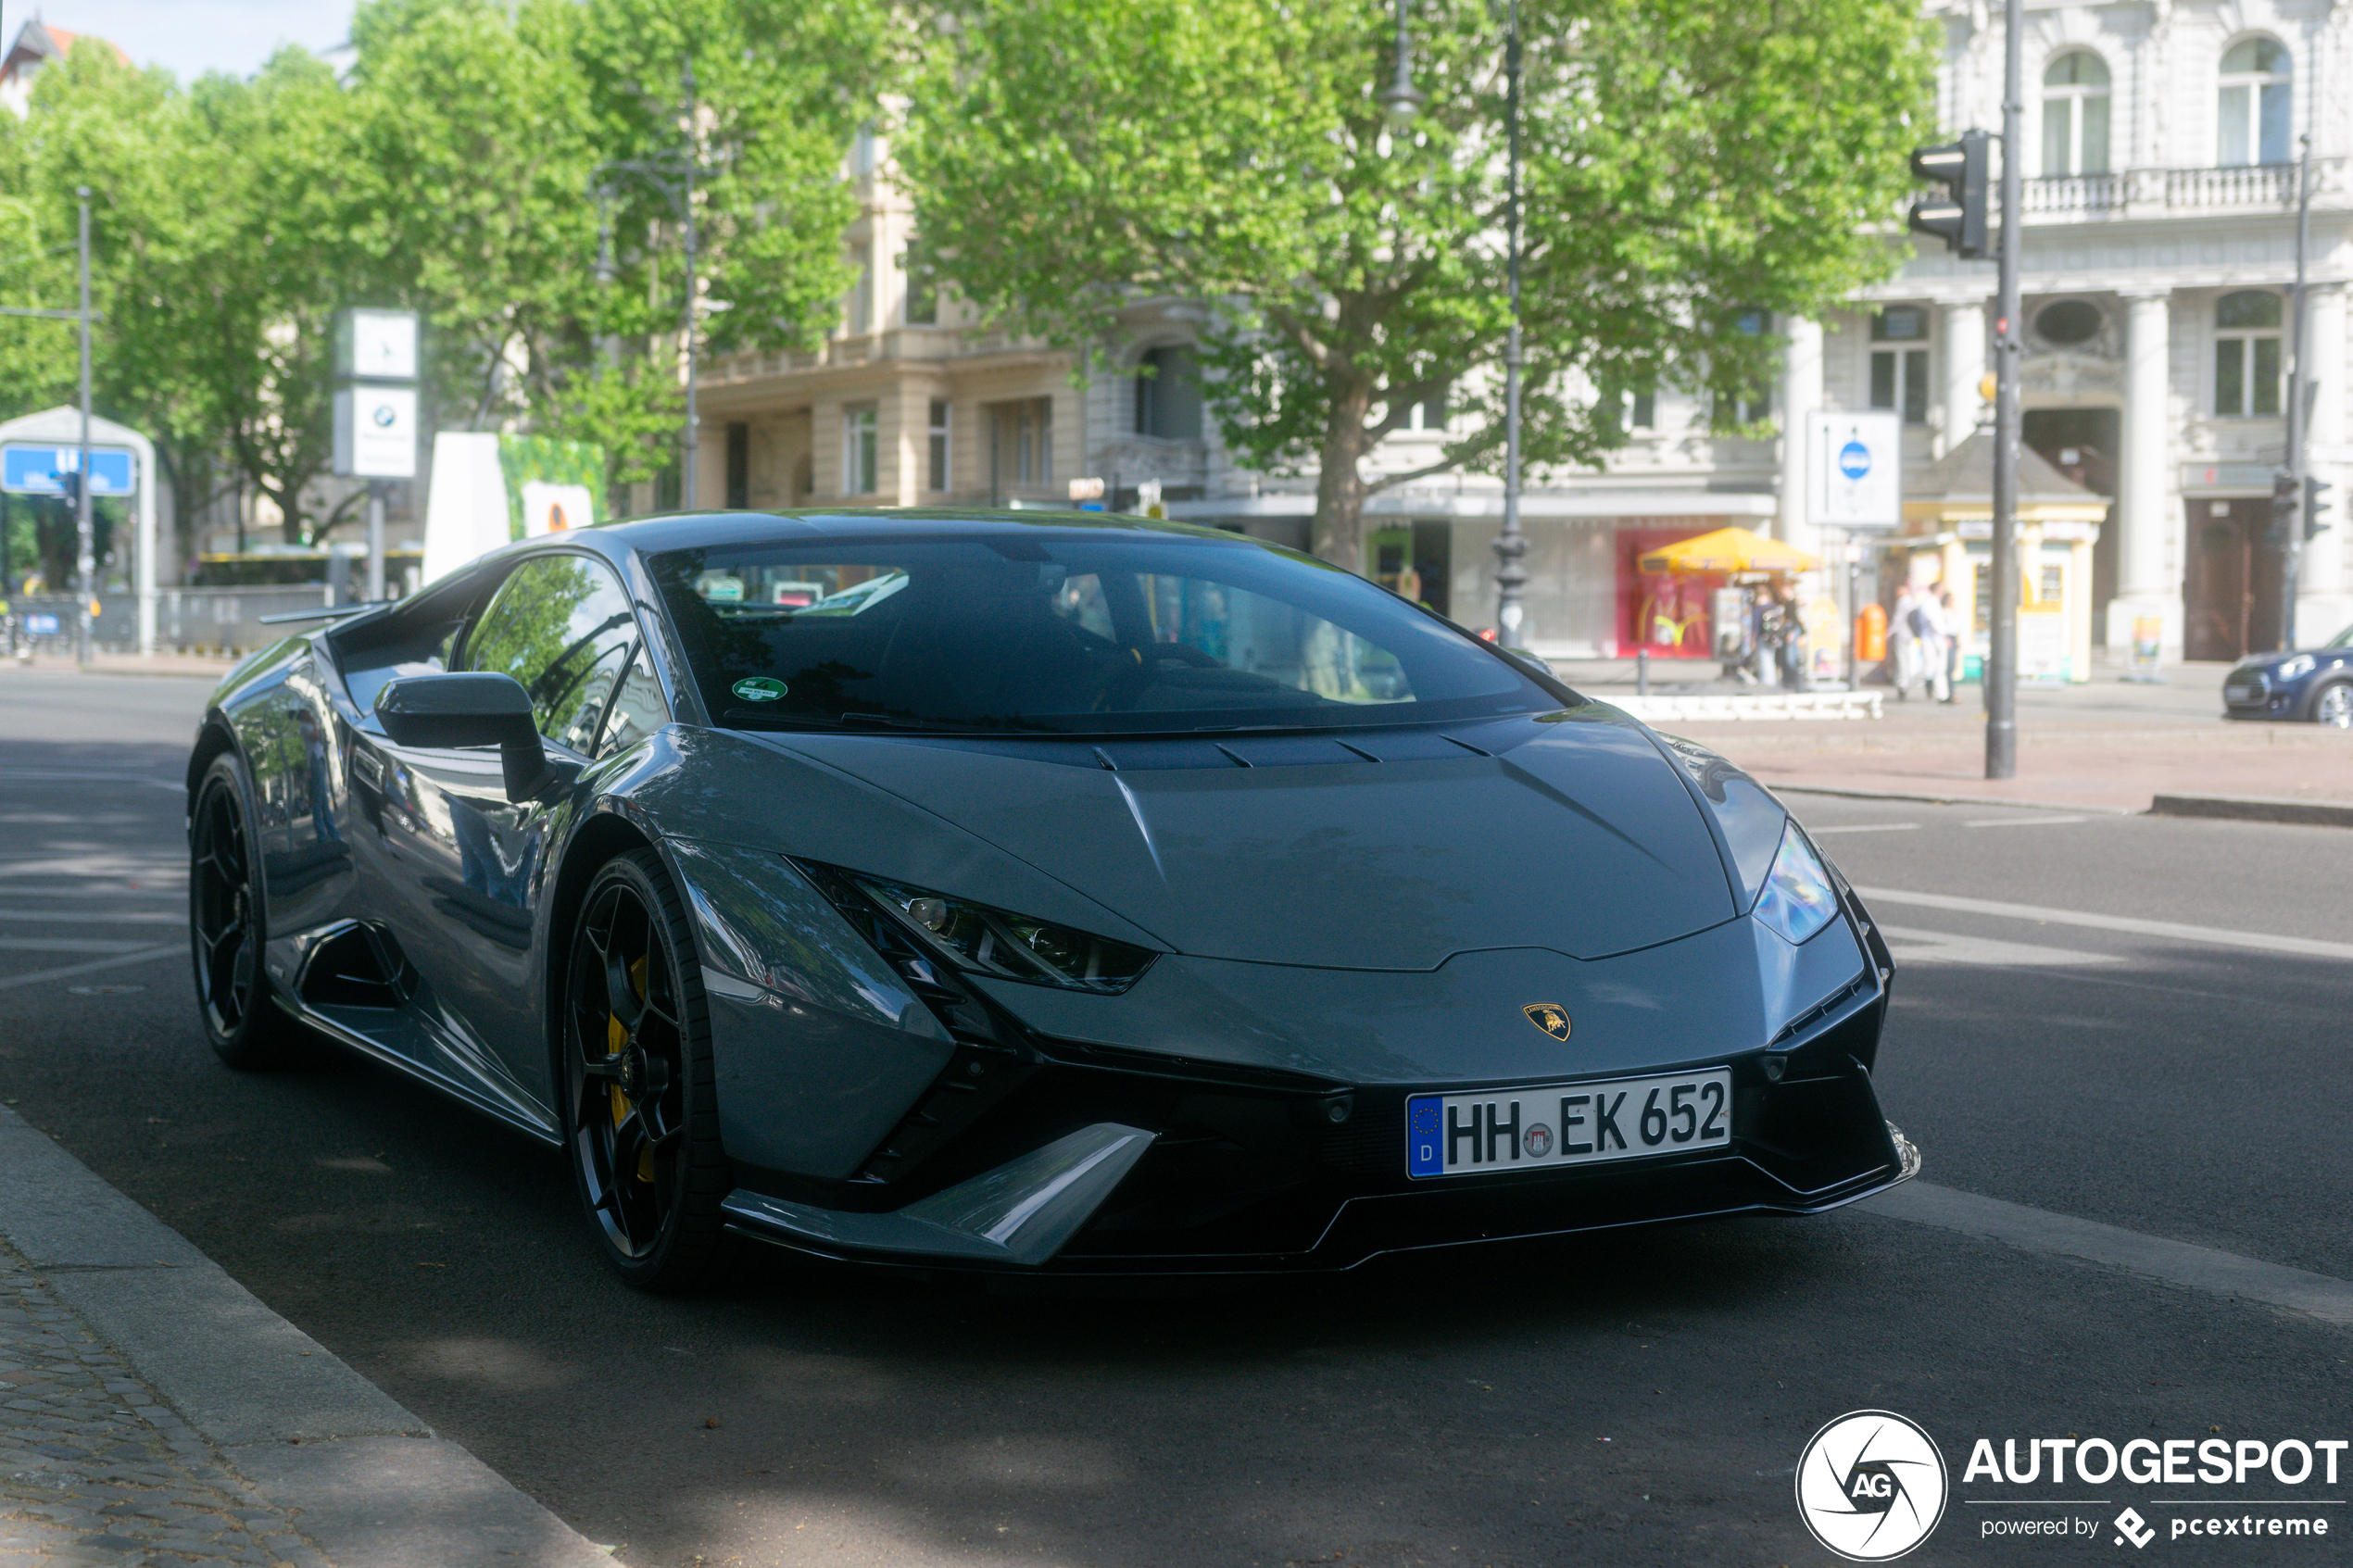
1910	946
1864	827
61	775
84	917
2168	1262
65	944
10	982
2214	937
2021	821
95	865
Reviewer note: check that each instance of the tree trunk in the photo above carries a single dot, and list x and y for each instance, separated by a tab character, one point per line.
1339	481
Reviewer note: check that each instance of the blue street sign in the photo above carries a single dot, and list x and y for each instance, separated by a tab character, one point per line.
1853	459
40	470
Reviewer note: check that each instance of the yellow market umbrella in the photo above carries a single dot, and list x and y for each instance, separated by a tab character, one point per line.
1734	551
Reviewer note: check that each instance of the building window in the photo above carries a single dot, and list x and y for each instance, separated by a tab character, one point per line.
2247	355
1430	414
2068	323
858	449
862	152
2256	88
1899	370
1168	395
738	467
939	417
1022	450
2075	100
860	309
923	294
1756	405
1622	409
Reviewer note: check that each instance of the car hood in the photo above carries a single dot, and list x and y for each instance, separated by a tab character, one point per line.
1391	852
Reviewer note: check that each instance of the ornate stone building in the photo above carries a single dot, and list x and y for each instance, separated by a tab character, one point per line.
2161	139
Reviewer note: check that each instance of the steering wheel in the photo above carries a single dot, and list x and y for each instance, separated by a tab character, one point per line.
1184	653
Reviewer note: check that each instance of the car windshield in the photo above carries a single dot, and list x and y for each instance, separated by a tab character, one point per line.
2342	640
1099	632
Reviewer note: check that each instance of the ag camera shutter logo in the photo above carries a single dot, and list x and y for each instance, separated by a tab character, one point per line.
1871	1485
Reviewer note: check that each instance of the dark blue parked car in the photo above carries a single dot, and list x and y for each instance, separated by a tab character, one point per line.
2317	685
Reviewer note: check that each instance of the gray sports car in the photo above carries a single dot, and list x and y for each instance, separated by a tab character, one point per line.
1036	892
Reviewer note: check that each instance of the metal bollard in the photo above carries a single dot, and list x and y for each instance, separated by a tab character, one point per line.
1642	671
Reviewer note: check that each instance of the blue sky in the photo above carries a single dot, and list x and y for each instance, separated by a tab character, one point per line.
190	37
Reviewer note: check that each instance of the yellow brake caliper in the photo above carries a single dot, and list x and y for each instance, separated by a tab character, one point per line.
617	1036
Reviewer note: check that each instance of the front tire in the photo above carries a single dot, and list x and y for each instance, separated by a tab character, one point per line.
226	927
2333	705
641	1110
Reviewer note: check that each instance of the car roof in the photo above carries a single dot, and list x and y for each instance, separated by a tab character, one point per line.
705	530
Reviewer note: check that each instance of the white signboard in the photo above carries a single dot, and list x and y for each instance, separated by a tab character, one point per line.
1854	470
376	431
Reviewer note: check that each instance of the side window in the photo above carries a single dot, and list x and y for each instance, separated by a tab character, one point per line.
562	626
637	711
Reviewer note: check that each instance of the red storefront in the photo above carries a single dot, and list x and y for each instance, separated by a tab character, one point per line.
1657	611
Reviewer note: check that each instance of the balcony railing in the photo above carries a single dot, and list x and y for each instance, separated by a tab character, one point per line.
2261	184
2074	193
2151	192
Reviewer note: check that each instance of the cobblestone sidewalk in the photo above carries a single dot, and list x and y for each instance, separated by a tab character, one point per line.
96	1469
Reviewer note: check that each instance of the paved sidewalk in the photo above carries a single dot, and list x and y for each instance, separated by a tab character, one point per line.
153	1411
95	1467
2109	745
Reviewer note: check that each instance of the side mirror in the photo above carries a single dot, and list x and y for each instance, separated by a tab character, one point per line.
458	710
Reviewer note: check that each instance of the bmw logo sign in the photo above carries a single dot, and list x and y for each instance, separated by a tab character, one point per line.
384	416
1853	459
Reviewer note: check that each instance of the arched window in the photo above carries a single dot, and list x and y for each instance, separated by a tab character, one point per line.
2075	98
2246	354
1168	395
2255	102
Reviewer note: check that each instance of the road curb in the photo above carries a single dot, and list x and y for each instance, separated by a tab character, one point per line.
2255	809
1920	799
363	1478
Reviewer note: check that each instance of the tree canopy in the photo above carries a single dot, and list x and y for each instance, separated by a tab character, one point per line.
1688	165
455	169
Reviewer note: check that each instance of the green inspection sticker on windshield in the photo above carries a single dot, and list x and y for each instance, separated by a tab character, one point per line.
760	688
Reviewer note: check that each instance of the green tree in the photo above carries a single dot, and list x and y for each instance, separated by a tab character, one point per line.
482	137
1688	163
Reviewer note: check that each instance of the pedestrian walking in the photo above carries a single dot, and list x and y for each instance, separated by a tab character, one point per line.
1902	647
1932	631
1952	642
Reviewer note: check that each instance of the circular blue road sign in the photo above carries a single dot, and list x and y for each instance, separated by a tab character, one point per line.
1853	459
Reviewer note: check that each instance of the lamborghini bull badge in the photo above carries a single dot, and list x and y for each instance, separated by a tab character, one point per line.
1551	1018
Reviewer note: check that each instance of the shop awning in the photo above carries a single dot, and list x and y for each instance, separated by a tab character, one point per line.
1735	551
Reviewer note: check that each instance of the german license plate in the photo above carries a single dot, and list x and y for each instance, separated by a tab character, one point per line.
1537	1128
2238	694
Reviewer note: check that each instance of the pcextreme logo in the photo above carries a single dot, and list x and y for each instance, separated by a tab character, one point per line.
1871	1485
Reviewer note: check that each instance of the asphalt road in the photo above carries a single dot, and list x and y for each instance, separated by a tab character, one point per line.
1616	1399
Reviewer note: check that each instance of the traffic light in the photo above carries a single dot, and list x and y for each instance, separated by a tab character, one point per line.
2285	494
2314	506
1959	217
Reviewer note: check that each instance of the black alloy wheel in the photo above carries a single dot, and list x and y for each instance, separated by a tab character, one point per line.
225	927
641	1110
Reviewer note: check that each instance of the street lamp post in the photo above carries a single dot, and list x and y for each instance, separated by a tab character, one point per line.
85	531
2001	664
673	179
1400	102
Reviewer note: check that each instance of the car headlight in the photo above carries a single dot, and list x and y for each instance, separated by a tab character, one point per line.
1006	946
2294	668
1798	899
